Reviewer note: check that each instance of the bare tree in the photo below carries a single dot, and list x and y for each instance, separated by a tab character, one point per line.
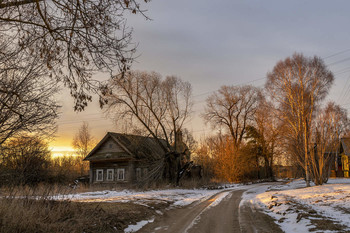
234	108
83	143
26	98
264	135
297	85
330	124
159	107
73	39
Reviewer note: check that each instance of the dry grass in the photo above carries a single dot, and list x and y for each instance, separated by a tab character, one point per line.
34	210
27	209
46	191
195	183
28	215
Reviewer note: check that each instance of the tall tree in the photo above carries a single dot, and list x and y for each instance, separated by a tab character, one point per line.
73	39
297	85
26	98
233	107
330	124
264	135
158	106
83	143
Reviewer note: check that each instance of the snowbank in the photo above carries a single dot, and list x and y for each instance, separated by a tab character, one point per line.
298	209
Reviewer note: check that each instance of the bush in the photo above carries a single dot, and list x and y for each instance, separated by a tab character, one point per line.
25	160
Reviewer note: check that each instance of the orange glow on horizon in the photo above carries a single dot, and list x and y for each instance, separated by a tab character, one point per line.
61	148
57	151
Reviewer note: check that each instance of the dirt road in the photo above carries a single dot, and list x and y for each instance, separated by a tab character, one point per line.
215	216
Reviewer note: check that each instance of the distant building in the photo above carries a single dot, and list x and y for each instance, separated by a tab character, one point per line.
345	154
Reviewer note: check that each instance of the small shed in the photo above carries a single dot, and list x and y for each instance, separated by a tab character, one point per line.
122	158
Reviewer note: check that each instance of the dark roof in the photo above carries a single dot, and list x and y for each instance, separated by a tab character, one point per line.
346	145
135	146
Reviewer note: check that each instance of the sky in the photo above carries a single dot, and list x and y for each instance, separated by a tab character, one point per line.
224	42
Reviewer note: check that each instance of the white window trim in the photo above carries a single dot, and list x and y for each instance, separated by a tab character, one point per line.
108	170
97	171
121	170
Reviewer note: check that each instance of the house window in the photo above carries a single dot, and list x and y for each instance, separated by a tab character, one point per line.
99	175
110	174
121	174
138	173
110	145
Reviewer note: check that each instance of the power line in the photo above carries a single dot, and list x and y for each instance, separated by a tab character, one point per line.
341	93
241	83
340	61
344	70
336	54
97	118
332	55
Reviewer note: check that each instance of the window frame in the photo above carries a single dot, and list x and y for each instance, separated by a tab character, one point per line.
97	173
108	170
123	172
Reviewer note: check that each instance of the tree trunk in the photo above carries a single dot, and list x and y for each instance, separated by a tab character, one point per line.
306	160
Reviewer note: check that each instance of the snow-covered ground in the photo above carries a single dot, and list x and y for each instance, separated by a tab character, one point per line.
296	208
299	209
176	197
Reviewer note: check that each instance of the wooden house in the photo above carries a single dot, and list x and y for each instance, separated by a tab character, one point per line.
341	162
122	158
345	155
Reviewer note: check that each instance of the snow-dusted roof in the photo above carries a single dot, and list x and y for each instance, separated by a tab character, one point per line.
133	145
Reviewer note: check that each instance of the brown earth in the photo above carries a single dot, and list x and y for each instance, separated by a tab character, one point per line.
28	215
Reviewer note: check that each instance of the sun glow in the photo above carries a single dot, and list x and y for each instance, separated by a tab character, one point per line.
61	151
61	148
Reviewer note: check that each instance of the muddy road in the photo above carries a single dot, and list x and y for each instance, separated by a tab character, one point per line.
220	213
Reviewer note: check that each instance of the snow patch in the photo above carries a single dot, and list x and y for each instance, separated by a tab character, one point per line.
294	206
219	198
137	226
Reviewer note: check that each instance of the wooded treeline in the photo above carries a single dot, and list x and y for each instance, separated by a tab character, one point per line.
287	122
44	44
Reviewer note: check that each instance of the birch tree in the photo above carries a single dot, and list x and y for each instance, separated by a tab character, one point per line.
330	124
297	85
83	143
